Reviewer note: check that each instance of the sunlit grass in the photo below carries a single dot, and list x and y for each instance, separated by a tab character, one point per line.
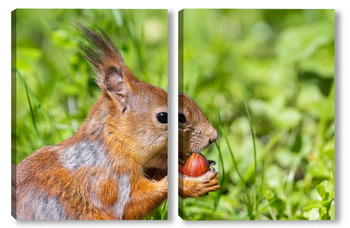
275	151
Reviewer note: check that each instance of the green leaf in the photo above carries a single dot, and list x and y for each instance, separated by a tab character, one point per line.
275	105
323	213
308	98
274	174
287	118
321	192
321	62
285	157
314	214
324	190
299	43
269	194
278	204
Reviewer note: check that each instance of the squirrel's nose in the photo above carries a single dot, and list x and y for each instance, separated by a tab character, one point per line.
213	136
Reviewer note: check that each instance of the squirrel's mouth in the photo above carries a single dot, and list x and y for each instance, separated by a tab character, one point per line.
157	168
155	173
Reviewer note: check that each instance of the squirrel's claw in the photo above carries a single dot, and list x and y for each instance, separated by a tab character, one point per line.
211	162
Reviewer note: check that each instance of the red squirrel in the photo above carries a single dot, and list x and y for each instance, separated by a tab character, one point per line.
195	134
105	171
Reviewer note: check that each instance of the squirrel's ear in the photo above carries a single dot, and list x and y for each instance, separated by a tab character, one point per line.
117	86
113	76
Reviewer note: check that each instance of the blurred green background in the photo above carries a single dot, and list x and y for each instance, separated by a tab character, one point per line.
54	86
280	63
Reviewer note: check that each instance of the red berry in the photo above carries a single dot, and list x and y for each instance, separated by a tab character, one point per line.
196	165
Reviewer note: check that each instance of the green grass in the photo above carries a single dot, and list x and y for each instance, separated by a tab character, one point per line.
270	76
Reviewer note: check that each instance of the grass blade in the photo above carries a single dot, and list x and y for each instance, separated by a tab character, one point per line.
221	168
222	176
246	199
40	107
255	159
261	185
32	112
164	211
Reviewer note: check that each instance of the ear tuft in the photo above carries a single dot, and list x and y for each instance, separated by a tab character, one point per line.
100	51
114	77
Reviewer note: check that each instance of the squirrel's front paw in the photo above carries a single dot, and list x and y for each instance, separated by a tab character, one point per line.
199	186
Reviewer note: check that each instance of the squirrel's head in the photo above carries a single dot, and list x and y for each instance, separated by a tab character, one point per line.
134	112
195	131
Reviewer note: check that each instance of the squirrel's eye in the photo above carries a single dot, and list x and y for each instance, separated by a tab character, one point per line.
162	117
182	118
